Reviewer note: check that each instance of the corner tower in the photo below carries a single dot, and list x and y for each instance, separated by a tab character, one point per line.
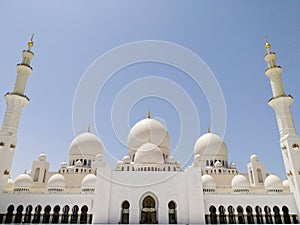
289	140
15	101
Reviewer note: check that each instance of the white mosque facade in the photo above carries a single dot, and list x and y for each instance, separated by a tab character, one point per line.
148	185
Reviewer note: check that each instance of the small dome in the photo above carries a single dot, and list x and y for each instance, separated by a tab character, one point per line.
99	157
23	181
86	145
126	159
273	182
208	182
10	182
254	158
89	181
78	163
232	165
42	157
197	157
56	181
210	145
285	183
10	185
64	165
239	182
119	163
218	164
148	153
145	129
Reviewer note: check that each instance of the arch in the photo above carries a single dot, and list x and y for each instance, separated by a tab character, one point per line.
241	218
46	217
83	215
222	215
65	214
268	215
148	213
213	215
27	217
36	174
251	177
55	216
259	217
37	214
259	176
9	214
286	215
172	212
19	214
231	215
277	216
250	219
125	212
74	216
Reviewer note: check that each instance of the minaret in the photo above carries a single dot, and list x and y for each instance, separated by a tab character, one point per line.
289	140
15	101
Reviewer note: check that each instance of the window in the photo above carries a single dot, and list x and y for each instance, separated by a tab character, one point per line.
259	175
36	175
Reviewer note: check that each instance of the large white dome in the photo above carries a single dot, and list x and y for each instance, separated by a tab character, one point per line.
145	130
148	153
56	181
211	146
85	145
23	181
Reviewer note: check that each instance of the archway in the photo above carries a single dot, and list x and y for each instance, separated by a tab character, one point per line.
37	214
65	214
55	216
19	214
213	215
148	213
125	212
83	216
172	212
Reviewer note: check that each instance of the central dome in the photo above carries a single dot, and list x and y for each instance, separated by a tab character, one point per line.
211	146
85	146
145	130
148	153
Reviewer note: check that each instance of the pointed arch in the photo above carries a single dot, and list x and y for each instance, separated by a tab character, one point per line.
286	215
222	215
232	219
37	214
213	215
277	216
172	212
148	209
65	214
27	217
268	215
259	216
46	217
83	215
250	218
9	214
19	214
241	218
259	176
55	216
125	212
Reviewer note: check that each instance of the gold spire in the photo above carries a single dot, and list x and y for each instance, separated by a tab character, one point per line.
149	116
267	45
30	43
89	128
208	129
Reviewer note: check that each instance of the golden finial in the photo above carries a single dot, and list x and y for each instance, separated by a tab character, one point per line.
89	128
267	45
30	43
149	116
208	129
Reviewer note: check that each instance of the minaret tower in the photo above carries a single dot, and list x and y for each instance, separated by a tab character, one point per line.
289	140
15	101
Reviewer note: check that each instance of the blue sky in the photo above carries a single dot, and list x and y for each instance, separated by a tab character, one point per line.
227	35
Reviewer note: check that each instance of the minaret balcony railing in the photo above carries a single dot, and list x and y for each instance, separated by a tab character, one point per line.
23	64
279	96
272	67
18	94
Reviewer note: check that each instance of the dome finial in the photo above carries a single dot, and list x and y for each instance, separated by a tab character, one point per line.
149	116
267	45
89	128
208	129
30	43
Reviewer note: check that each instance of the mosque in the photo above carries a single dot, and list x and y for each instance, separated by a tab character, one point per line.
149	186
